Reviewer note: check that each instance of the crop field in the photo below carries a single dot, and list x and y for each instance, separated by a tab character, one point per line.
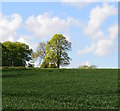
60	89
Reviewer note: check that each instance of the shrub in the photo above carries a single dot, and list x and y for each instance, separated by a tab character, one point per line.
87	67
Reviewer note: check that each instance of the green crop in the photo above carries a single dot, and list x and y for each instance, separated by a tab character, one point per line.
60	89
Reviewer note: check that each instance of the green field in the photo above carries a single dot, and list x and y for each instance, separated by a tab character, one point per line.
60	89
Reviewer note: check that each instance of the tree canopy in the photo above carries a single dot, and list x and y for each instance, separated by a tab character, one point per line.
57	52
15	54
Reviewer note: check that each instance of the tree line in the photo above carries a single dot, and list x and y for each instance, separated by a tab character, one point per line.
15	54
52	54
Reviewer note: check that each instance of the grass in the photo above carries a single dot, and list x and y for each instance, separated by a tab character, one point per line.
60	89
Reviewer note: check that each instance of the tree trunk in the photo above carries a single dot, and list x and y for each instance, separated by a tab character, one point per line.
58	65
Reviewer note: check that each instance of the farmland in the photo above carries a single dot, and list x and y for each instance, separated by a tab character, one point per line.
60	88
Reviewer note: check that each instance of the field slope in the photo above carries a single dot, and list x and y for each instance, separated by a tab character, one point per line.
60	89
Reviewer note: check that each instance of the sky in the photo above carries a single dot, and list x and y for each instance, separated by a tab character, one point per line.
92	28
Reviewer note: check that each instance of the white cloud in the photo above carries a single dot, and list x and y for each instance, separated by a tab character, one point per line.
76	3
45	26
98	15
87	49
105	46
102	44
42	27
9	26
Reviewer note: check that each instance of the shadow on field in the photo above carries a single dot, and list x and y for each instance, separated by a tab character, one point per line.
14	69
15	75
10	76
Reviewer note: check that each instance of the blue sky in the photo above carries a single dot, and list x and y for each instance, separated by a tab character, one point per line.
85	25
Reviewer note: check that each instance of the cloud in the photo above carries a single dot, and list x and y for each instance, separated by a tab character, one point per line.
98	15
9	26
105	46
102	44
44	26
75	3
8	30
87	49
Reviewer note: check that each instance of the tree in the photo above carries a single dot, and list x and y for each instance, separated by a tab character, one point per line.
5	56
88	67
40	53
15	54
84	67
57	51
93	67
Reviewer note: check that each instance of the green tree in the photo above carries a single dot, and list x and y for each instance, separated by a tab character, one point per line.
15	54
5	56
57	51
88	67
93	67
